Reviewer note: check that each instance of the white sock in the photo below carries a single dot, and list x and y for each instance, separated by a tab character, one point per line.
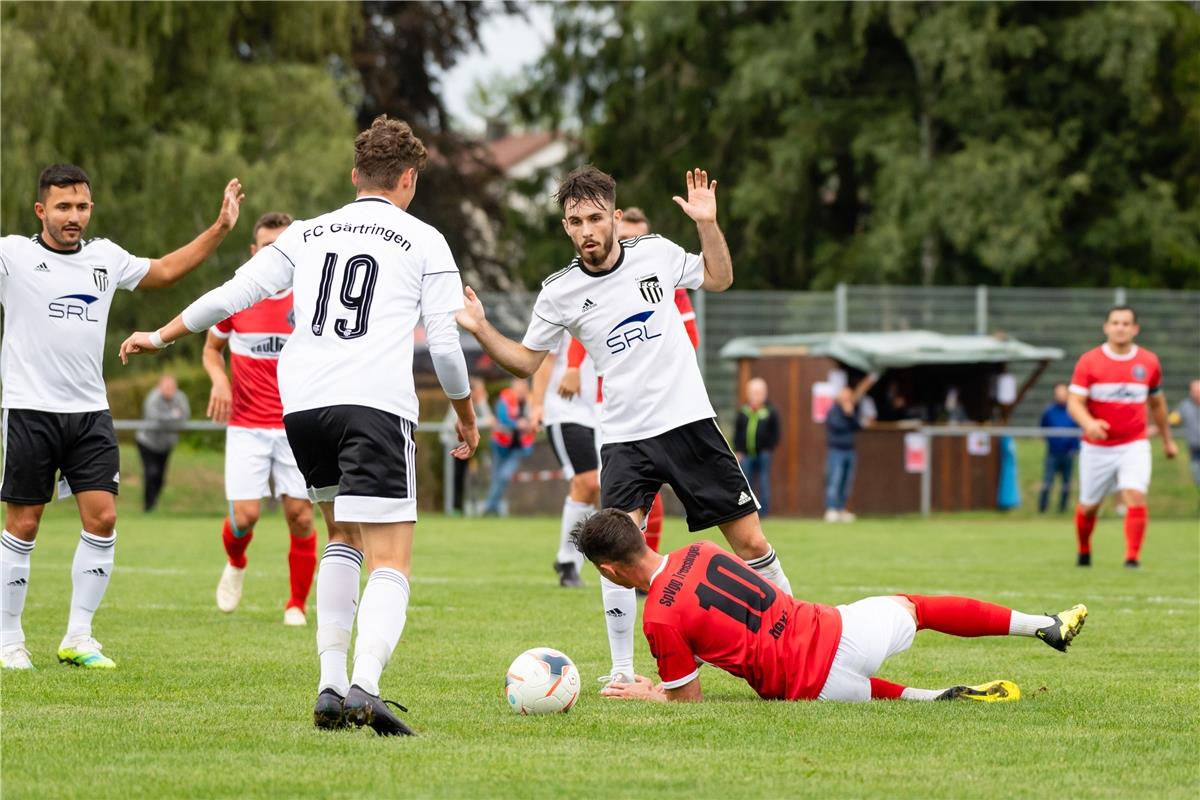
923	695
769	567
573	513
1027	624
337	598
14	572
90	571
620	615
380	622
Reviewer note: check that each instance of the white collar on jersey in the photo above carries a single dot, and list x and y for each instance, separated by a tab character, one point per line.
662	565
1132	352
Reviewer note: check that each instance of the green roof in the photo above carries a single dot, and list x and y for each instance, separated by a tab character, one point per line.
884	350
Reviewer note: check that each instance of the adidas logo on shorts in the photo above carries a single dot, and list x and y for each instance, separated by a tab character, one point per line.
743	498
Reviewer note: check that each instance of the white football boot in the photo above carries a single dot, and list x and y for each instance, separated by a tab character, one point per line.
229	590
294	617
15	656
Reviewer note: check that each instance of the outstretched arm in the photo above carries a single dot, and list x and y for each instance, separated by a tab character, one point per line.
701	206
173	266
512	356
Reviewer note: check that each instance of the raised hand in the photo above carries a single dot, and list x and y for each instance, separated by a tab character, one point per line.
231	205
701	202
472	316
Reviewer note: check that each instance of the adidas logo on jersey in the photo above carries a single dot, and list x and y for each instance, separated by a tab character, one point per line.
97	571
615	613
743	498
588	305
41	267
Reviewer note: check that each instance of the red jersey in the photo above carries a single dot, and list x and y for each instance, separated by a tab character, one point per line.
706	606
256	338
1116	388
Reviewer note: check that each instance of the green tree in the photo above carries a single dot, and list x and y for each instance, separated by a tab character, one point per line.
1034	144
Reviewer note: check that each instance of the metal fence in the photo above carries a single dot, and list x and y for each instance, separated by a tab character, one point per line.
1065	318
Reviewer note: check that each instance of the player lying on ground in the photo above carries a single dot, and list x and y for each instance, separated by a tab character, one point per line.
363	276
705	605
56	289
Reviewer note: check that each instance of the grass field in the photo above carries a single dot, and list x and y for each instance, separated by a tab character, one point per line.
209	705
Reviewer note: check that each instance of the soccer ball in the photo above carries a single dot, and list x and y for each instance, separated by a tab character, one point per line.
541	681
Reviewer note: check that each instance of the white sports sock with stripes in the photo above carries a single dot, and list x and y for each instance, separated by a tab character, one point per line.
381	619
620	615
14	572
573	513
90	573
337	600
769	567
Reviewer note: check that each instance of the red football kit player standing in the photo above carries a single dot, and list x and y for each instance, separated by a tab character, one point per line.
1110	389
705	606
257	453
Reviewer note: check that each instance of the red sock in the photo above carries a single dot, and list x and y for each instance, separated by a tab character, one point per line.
1135	531
960	616
302	563
1083	531
885	690
654	523
235	546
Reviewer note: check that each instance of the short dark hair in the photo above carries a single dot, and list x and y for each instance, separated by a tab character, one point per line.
383	151
1121	307
608	536
272	221
635	214
587	183
61	175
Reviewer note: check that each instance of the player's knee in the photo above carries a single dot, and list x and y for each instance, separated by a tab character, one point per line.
100	523
300	523
1089	510
585	487
1133	498
23	525
245	519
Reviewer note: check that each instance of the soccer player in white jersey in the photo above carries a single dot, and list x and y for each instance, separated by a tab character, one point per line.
656	424
258	458
56	290
570	419
363	276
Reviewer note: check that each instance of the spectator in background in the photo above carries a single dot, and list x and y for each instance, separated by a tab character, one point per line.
512	440
755	436
841	428
168	407
1060	450
484	420
1188	415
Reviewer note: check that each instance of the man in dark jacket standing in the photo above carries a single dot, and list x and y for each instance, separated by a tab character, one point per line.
841	427
756	435
1060	450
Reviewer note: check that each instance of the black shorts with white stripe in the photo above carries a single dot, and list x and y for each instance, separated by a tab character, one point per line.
575	447
39	444
360	458
694	459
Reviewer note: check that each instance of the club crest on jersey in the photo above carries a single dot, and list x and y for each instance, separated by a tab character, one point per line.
1139	372
100	278
292	318
651	289
629	331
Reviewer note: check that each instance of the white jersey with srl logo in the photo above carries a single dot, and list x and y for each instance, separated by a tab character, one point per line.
628	321
580	409
362	276
56	307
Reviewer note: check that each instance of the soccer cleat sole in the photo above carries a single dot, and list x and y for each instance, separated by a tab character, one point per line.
991	692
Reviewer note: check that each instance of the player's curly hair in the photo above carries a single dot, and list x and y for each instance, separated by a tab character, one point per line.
587	183
383	151
608	536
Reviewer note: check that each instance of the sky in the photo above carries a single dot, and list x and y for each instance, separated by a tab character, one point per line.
509	43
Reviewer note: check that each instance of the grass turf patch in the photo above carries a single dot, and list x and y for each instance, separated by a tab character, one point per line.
205	704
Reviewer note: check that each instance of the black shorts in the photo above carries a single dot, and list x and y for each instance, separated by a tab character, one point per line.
360	458
574	447
39	444
694	459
